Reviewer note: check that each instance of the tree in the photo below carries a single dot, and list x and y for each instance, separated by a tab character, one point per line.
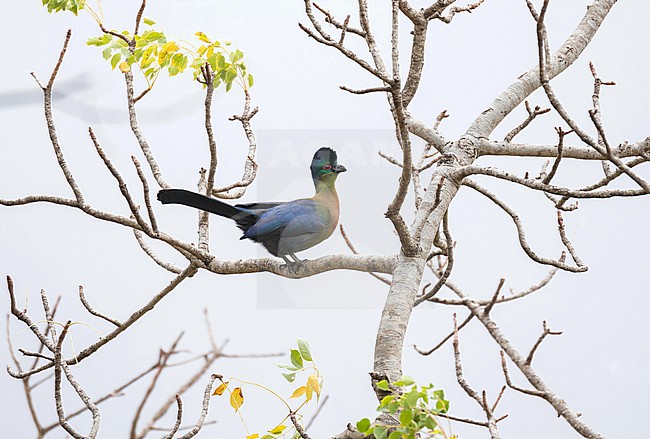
447	164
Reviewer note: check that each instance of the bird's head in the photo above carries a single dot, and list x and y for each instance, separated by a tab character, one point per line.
324	166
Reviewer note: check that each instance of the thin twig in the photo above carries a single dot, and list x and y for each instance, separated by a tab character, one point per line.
204	410
147	197
521	233
532	114
162	363
545	332
120	181
91	310
179	418
301	431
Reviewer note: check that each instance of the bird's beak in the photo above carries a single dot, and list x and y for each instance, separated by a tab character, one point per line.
339	168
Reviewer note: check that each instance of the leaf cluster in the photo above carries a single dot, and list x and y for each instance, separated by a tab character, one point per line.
152	52
416	407
301	361
73	6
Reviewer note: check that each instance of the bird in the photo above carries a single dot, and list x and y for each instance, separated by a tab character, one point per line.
283	228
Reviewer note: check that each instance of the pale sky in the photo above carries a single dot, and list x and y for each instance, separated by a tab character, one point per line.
599	365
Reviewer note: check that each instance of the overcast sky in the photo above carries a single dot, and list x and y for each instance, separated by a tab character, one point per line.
599	365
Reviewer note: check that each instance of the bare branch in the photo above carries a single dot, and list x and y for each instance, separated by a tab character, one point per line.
301	431
166	265
138	18
147	197
344	27
547	331
120	181
442	116
22	316
325	39
250	166
512	386
442	4
179	418
91	310
58	366
560	146
450	263
489	306
521	233
137	132
51	128
544	68
481	400
538	185
162	363
444	340
365	90
541	389
85	353
527	83
204	411
532	114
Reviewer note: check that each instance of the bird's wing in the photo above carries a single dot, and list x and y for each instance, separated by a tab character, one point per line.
295	218
258	208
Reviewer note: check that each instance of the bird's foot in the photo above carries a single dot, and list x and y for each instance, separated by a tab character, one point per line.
294	264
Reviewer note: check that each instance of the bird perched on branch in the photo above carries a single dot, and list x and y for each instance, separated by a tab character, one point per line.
282	228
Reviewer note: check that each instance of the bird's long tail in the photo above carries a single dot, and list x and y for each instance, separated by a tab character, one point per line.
198	201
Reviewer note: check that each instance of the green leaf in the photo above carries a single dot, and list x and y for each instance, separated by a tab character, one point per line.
250	80
430	423
287	366
380	432
442	405
406	417
405	381
382	385
395	435
148	21
296	359
289	377
236	56
106	53
363	425
221	61
303	346
411	398
386	400
115	60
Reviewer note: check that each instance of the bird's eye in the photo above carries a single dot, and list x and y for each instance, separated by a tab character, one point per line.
327	167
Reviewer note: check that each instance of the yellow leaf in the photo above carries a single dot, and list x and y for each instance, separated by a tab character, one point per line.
253	436
202	37
298	392
170	47
278	429
236	398
219	390
161	57
124	67
312	386
202	50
